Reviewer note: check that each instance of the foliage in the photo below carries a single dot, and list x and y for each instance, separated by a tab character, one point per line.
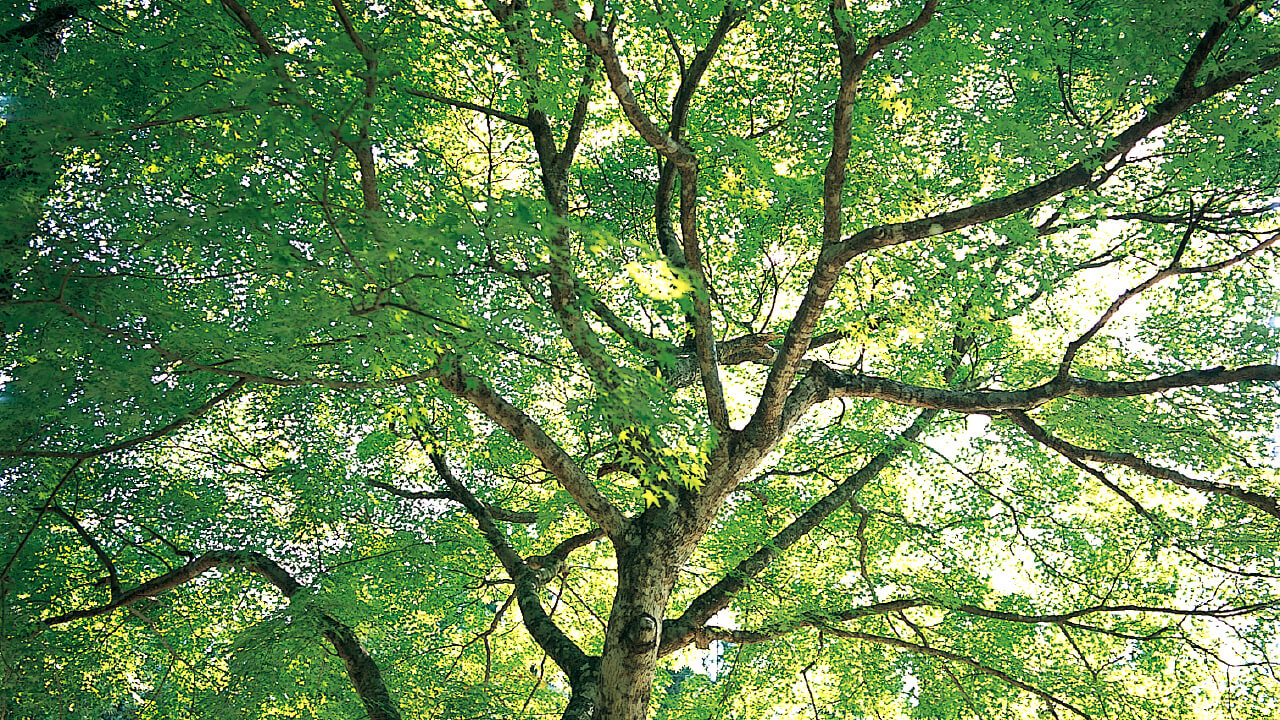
657	359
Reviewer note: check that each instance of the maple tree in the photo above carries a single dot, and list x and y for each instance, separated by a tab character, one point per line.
621	360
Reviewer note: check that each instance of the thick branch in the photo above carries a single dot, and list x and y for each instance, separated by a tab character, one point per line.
683	370
763	426
242	16
532	436
680	632
834	257
822	383
46	20
1207	43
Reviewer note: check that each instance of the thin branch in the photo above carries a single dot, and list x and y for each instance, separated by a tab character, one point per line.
822	619
1174	269
965	660
464	105
514	516
1264	503
182	421
46	20
219	367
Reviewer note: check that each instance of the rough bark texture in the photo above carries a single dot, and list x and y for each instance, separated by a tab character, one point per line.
648	560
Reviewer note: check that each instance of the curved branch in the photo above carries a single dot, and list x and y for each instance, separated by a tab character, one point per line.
1264	503
245	559
365	676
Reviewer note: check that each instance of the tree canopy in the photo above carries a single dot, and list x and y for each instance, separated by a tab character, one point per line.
734	359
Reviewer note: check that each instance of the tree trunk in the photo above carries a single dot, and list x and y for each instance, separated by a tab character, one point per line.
646	569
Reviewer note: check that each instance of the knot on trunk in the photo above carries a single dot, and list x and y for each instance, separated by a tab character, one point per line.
545	568
642	632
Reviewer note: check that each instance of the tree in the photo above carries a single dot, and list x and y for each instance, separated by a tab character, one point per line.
910	359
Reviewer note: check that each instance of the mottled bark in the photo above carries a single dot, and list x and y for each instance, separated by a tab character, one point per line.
647	565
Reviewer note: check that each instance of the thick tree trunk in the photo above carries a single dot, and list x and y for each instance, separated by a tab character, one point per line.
646	568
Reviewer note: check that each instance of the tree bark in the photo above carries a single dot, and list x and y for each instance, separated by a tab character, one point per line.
647	564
